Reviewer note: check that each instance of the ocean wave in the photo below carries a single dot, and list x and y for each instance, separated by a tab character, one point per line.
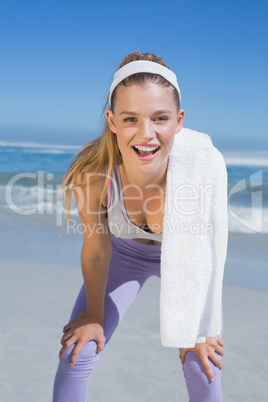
21	144
37	151
246	158
31	190
43	151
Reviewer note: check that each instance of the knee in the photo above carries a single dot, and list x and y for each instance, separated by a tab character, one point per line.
85	361
200	388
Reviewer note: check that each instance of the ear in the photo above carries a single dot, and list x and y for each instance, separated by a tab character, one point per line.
110	120
180	120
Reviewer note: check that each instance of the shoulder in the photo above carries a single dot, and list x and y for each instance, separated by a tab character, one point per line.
91	178
92	184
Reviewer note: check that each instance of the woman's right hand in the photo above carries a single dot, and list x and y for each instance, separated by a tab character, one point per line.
81	330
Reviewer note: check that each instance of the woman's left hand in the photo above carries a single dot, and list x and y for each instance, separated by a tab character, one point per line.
204	351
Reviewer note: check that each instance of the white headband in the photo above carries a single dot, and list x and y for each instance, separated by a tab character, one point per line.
143	66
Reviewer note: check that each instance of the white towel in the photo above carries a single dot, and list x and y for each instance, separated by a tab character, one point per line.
194	245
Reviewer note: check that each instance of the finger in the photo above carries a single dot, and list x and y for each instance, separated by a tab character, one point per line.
62	351
100	345
207	367
219	350
220	342
182	355
79	346
216	361
67	327
66	345
65	337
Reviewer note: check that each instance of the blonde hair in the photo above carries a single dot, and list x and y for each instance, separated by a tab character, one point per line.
103	151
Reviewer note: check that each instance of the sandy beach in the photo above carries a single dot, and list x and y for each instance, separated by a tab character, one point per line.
37	298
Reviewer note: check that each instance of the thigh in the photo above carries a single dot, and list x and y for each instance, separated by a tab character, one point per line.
127	274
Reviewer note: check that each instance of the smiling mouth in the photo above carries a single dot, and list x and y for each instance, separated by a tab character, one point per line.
144	151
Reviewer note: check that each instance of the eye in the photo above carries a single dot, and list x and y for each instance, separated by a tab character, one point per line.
161	118
129	119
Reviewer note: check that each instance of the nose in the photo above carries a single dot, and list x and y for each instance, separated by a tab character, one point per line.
146	129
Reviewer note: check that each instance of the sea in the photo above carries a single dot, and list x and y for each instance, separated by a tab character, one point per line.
31	175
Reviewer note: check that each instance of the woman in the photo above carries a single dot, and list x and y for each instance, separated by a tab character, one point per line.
119	183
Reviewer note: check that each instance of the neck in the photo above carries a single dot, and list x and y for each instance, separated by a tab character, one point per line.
143	180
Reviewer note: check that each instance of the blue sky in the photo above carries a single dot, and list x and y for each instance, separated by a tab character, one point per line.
58	58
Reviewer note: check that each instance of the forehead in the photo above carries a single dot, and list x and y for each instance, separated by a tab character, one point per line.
149	94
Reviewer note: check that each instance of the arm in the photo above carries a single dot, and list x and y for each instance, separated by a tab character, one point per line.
95	260
95	274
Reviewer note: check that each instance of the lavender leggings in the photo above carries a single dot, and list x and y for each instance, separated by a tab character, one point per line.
132	263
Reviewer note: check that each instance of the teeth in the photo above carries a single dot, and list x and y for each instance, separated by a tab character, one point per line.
145	148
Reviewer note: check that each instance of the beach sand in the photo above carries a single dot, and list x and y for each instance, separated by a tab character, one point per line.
36	302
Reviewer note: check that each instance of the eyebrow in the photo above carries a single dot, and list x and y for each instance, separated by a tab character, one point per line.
135	114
